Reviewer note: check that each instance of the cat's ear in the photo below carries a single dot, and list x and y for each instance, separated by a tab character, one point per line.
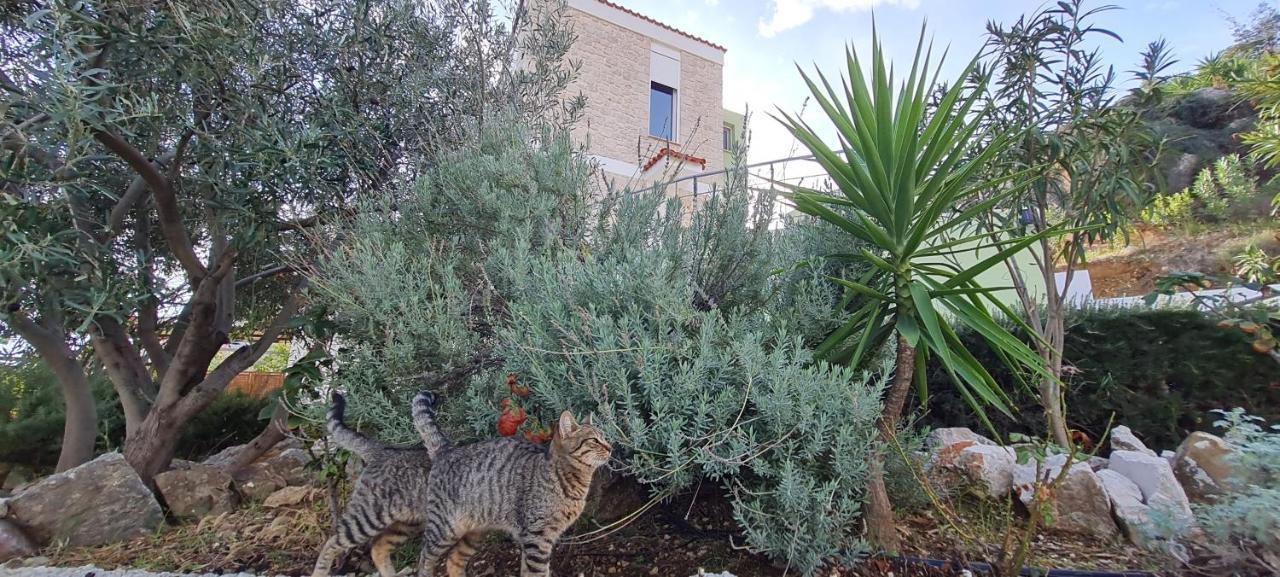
567	423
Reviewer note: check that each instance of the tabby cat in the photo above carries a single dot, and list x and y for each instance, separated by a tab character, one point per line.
531	492
385	507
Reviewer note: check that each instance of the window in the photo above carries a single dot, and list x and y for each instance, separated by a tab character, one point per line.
662	111
728	136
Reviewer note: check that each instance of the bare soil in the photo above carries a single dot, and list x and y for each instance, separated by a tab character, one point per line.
1120	271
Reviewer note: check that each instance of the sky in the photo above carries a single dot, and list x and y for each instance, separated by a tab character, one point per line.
765	39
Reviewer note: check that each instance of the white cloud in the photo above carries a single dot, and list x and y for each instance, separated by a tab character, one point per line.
712	3
788	14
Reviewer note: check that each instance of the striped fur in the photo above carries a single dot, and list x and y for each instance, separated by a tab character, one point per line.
345	436
424	420
385	507
530	492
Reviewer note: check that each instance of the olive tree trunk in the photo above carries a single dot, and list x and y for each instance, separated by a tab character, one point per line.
80	429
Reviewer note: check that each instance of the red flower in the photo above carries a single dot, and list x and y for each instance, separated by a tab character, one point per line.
510	420
537	433
515	387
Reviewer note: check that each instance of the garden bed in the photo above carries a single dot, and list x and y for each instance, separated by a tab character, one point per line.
661	542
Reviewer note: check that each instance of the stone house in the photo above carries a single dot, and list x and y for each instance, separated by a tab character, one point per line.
654	97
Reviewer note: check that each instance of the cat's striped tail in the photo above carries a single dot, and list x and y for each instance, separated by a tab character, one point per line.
424	420
345	436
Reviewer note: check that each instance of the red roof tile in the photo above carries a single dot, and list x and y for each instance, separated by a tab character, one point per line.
662	24
666	151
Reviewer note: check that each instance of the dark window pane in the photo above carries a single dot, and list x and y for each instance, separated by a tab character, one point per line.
662	116
728	137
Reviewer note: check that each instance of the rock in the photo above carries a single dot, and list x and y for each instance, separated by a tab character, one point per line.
1211	454
195	490
17	477
945	437
1168	455
1180	172
1207	108
1081	505
14	543
102	501
224	457
1155	479
1122	439
1098	463
1126	505
37	561
289	496
276	469
1199	486
984	469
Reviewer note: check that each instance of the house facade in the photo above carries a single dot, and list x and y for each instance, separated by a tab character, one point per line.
654	96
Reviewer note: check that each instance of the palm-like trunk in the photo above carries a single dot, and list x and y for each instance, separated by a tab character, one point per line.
882	528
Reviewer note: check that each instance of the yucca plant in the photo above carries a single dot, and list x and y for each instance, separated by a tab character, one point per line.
907	177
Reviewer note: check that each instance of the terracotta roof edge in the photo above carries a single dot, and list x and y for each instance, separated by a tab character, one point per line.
663	25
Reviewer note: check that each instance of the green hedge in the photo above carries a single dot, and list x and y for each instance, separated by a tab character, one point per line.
1159	371
31	418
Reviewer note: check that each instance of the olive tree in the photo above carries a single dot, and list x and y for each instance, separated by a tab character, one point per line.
161	165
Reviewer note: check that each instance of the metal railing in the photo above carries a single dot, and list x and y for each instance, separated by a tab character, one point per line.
769	177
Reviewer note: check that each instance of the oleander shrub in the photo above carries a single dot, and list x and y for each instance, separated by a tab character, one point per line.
1161	372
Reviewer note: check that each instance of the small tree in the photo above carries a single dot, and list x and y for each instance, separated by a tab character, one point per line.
1091	161
909	191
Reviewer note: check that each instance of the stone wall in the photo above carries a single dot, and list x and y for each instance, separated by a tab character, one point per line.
614	76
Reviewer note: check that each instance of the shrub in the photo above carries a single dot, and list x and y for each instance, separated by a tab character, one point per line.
672	327
32	415
691	392
1242	526
1211	200
1256	266
1161	372
232	419
1170	210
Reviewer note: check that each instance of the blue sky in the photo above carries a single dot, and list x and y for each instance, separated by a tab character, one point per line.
765	38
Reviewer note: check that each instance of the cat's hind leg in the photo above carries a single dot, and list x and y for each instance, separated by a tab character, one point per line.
359	524
439	536
461	554
384	546
535	554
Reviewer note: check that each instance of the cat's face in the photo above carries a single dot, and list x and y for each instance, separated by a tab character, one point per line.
584	443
